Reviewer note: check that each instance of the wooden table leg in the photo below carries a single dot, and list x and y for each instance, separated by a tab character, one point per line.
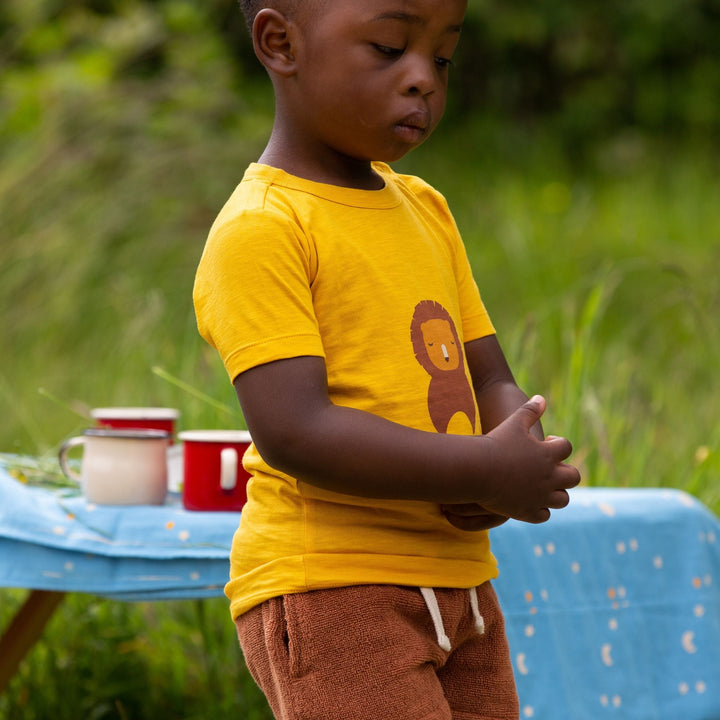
25	630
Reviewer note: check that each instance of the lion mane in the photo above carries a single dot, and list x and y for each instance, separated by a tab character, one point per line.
438	349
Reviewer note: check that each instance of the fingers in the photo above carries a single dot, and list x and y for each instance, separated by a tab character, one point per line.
539	516
465	509
561	447
531	411
472	517
565	477
475	524
537	478
569	476
559	499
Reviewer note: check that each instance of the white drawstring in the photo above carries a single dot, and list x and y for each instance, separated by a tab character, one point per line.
434	609
479	621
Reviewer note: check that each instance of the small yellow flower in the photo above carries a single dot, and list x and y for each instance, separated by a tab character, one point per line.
18	475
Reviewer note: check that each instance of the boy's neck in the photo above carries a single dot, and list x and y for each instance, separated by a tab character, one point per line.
325	166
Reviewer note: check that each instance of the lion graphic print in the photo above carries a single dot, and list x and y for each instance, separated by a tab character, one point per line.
435	341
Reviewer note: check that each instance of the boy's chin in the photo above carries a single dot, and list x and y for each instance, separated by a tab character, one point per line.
396	152
399	154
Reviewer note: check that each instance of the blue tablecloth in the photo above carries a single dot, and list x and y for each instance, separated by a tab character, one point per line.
612	607
52	541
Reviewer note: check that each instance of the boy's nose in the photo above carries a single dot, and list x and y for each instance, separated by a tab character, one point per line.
420	78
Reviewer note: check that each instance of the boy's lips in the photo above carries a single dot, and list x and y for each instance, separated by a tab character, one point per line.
413	127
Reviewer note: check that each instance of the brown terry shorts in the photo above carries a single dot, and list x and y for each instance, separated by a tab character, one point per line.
373	652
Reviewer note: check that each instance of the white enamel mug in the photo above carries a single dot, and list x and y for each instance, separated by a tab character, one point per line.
120	467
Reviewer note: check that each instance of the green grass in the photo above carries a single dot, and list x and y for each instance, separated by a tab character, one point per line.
601	278
102	659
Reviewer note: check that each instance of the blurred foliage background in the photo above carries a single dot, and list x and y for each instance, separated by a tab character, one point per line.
592	67
595	67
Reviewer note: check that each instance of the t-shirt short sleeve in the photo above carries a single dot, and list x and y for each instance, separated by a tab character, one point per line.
252	294
476	322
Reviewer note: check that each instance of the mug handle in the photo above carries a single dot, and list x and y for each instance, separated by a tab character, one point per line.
69	473
228	468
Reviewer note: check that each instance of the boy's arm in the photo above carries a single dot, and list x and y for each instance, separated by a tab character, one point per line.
299	431
496	391
498	396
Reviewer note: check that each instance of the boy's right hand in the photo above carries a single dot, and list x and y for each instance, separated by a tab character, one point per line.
530	476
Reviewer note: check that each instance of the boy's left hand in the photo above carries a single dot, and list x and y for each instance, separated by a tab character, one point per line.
472	516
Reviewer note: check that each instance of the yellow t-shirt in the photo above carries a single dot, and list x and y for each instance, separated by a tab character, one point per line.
378	284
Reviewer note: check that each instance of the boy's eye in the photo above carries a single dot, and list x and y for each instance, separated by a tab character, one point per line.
388	51
442	63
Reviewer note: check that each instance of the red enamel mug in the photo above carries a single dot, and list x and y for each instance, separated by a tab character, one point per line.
213	475
146	418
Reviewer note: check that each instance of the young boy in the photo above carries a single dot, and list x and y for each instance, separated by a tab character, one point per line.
340	298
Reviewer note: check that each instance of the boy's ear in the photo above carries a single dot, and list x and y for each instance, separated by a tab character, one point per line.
272	41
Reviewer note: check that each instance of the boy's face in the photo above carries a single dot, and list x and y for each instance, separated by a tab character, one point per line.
372	76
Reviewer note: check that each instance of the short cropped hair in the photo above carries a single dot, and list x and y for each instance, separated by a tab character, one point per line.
250	8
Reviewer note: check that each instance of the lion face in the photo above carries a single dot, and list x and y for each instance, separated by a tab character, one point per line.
440	345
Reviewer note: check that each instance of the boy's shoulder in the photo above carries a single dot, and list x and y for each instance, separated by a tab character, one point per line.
249	200
417	187
414	183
